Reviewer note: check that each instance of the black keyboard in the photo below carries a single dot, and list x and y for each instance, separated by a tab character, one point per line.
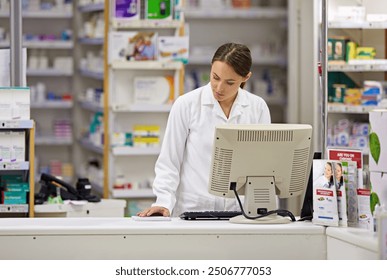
209	215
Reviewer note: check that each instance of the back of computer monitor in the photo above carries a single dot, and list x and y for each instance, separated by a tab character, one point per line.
307	206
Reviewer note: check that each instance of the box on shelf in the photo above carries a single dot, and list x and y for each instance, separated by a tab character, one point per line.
378	140
126	9
159	10
132	46
336	48
155	90
14	103
173	48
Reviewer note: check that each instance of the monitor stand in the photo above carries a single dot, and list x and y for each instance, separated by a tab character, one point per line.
271	219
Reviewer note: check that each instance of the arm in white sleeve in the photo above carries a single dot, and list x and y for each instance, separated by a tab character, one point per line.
168	164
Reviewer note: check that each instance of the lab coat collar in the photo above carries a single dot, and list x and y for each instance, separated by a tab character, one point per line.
237	108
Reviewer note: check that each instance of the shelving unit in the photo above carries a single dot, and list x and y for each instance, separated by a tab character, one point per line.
24	168
365	33
88	84
262	28
47	37
133	166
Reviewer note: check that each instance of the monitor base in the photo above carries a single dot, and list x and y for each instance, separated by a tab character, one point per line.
271	219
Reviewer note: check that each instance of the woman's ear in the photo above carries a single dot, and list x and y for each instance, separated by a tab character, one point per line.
247	77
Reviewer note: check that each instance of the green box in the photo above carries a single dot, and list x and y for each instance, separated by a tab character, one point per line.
158	9
336	48
19	187
14	197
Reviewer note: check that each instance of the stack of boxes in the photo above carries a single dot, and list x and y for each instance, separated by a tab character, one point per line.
14	106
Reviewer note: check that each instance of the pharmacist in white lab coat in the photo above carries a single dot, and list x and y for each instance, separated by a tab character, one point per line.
183	167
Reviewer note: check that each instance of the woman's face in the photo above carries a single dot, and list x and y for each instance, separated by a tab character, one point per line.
225	81
328	171
338	171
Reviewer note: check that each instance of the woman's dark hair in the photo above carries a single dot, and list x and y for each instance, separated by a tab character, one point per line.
238	56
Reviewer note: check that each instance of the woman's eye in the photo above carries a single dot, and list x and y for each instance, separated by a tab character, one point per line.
215	78
230	84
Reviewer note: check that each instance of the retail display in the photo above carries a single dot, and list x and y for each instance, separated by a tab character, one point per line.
47	35
88	85
356	65
142	86
17	135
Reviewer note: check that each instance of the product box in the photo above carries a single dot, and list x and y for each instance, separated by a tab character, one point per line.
338	93
350	175
132	46
14	103
365	53
349	155
336	48
378	140
325	206
173	48
14	197
156	90
350	51
364	209
18	187
146	136
126	9
159	9
5	146
18	151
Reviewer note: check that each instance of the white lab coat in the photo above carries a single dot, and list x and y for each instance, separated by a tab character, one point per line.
183	167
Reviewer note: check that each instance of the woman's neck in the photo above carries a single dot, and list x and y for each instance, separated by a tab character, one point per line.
226	106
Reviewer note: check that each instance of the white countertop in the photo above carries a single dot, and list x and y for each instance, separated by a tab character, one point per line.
83	226
356	236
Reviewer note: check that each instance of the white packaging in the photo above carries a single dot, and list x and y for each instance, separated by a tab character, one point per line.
378	140
341	194
364	209
173	48
14	103
18	151
5	146
21	104
153	90
325	210
350	178
132	46
6	103
350	13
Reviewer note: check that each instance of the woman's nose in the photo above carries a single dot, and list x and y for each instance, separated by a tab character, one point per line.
219	86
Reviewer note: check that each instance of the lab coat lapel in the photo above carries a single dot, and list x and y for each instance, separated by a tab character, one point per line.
237	108
239	104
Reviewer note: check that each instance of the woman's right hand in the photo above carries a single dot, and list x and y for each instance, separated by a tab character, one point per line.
154	211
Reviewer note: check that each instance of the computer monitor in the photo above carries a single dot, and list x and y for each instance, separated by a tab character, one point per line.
263	162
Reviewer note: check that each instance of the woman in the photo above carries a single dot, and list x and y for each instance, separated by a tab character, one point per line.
339	175
183	167
325	180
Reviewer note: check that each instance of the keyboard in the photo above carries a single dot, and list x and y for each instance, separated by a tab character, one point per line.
209	215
